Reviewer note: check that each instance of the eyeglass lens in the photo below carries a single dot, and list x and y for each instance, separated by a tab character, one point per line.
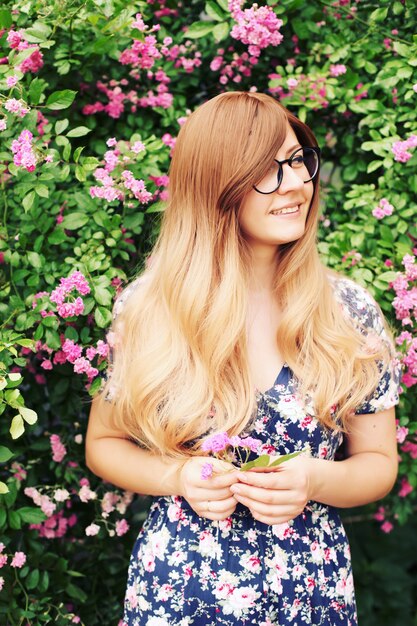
304	162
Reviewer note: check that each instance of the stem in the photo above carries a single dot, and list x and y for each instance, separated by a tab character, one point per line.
25	594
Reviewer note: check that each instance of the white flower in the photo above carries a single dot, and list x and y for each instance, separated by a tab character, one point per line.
61	495
239	601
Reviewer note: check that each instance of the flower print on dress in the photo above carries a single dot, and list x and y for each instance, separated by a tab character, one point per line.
186	570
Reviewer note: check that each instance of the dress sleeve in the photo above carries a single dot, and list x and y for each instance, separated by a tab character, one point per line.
110	391
369	319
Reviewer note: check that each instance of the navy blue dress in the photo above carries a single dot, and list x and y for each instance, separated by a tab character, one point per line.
190	571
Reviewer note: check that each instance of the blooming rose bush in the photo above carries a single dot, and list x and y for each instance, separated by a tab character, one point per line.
92	96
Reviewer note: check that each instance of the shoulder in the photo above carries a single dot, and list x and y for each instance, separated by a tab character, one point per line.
357	303
127	292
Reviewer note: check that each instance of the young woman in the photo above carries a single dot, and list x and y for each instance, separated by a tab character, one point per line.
237	327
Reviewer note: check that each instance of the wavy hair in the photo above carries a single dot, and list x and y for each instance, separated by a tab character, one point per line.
180	363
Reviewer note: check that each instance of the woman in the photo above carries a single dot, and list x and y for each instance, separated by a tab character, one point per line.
237	326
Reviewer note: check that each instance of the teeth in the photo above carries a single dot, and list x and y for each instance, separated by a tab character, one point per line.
285	210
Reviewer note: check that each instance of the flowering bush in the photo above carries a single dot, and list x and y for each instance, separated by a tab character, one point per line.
92	96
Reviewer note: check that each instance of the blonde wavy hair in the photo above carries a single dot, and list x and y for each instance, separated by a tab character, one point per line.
180	363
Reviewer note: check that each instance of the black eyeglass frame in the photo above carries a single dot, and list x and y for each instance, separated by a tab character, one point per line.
280	175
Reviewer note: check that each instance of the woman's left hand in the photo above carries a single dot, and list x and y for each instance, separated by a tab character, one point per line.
278	495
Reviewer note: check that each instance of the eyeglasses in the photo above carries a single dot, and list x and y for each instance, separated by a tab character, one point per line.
304	161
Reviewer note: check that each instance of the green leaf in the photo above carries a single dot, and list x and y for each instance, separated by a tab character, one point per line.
35	260
28	415
402	49
30	515
15	376
42	191
379	15
77	153
224	5
198	29
102	296
5	454
103	317
73	221
6	19
214	11
220	31
35	90
38	32
17	427
14	520
80	173
60	99
261	461
388	277
284	457
79	131
76	593
60	126
28	200
33	579
3	489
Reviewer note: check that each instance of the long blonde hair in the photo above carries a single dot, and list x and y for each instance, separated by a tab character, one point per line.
182	346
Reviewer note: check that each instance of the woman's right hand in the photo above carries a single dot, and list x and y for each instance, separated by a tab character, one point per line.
210	498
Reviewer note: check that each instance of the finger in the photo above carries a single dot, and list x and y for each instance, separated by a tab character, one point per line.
261	494
217	507
213	494
266	480
222	479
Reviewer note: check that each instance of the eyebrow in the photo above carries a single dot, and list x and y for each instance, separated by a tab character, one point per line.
292	149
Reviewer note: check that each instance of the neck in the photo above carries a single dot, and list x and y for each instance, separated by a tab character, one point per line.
263	270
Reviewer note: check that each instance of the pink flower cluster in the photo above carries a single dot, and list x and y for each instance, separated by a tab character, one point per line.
55	526
386	526
17	107
405	305
313	88
115	185
42	500
144	56
16	40
337	70
400	149
76	281
18	560
240	65
228	449
23	151
58	448
257	27
383	209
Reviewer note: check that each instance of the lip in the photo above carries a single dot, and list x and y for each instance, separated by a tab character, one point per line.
287	206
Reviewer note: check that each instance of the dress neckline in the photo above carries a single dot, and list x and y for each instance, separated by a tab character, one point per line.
281	375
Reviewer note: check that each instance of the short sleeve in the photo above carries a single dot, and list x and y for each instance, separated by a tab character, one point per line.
367	316
112	340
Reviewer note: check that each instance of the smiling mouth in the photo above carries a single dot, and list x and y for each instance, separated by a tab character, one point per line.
286	210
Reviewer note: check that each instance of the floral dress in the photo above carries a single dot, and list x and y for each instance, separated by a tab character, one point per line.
186	570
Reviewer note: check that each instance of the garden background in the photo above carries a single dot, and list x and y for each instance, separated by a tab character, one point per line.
92	96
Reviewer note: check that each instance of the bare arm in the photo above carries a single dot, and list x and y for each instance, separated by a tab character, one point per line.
367	474
370	470
116	459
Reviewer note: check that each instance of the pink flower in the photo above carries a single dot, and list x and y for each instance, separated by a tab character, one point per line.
387	527
19	559
1	582
337	70
400	149
207	471
216	443
405	489
22	150
47	364
137	147
3	560
3	124
71	350
121	527
58	448
383	209
92	530
111	142
11	81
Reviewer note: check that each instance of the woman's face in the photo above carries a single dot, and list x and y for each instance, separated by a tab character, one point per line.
279	217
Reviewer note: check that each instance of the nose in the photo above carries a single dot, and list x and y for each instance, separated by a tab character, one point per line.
290	180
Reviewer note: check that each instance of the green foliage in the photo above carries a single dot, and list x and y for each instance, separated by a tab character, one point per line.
51	226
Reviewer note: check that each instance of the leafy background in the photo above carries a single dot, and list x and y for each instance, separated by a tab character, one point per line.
77	73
